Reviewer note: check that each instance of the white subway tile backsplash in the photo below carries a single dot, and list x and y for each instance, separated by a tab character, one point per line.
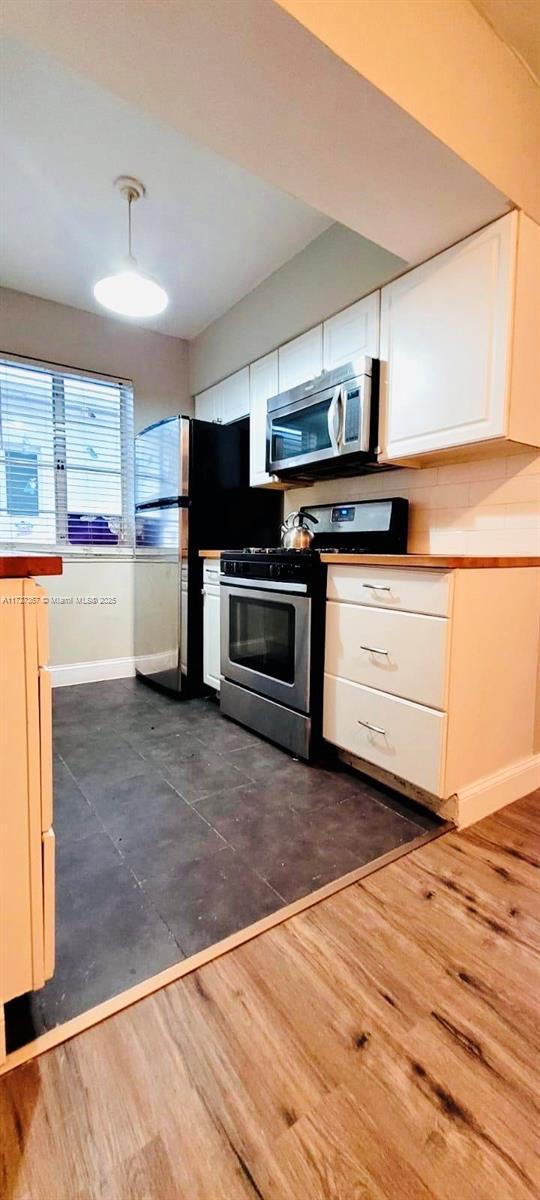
523	464
513	489
488	506
466	472
522	516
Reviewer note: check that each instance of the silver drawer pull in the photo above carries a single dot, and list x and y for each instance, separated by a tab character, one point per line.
378	587
375	650
374	728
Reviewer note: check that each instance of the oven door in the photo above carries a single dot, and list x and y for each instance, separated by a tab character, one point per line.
266	638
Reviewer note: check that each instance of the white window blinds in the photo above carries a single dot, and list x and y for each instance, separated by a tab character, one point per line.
66	458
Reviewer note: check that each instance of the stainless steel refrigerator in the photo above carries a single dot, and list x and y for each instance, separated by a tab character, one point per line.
191	493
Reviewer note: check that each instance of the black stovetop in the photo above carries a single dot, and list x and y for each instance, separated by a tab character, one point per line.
282	552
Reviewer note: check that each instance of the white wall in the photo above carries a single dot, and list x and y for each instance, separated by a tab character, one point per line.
335	269
158	365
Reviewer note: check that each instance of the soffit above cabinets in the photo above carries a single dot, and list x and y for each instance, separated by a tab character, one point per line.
517	22
253	84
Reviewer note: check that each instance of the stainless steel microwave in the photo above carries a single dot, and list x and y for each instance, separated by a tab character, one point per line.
320	427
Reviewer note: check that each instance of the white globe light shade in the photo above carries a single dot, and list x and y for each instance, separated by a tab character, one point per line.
131	294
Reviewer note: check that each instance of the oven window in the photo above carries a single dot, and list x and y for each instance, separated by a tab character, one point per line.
302	432
261	636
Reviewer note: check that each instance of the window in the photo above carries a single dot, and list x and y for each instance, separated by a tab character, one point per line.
66	458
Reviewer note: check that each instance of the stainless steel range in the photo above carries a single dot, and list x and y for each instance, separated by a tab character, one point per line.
273	620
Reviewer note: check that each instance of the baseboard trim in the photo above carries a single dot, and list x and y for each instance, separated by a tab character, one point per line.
470	804
92	672
488	795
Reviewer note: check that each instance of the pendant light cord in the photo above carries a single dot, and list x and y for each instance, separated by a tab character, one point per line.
130	201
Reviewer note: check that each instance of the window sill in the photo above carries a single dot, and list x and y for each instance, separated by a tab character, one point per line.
72	553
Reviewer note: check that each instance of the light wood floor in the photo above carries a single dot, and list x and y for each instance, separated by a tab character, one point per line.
383	1044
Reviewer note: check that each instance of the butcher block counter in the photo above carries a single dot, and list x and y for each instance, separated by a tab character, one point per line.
21	566
430	562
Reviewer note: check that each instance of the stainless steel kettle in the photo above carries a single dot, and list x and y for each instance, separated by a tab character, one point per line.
295	534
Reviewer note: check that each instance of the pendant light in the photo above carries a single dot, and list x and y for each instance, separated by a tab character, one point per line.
129	291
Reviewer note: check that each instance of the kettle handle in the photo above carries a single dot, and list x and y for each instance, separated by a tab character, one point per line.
307	516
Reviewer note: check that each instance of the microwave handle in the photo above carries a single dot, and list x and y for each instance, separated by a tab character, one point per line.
334	407
365	413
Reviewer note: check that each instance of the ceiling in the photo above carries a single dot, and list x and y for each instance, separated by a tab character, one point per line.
208	230
517	22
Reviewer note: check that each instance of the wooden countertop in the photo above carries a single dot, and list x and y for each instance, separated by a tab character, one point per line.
431	562
19	566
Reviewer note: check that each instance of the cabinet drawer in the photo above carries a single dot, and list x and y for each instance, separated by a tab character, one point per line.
398	652
211	570
407	739
396	588
48	854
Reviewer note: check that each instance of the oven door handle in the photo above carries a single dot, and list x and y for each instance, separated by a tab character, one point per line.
335	407
263	585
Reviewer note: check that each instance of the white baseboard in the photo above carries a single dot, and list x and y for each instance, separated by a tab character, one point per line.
92	672
494	791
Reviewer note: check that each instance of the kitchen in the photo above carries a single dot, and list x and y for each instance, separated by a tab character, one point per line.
315	709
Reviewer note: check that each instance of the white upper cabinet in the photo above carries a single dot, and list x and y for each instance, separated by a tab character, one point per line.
458	341
235	396
263	383
226	401
208	406
352	333
301	359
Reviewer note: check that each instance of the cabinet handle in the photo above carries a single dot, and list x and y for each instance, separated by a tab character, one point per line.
377	587
374	728
375	650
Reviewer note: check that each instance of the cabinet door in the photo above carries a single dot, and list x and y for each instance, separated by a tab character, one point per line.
445	336
209	404
263	383
300	359
212	645
235	396
352	333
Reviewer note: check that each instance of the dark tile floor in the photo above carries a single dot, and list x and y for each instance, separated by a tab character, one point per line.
174	828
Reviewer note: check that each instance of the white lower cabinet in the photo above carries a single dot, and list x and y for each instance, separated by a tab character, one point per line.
406	739
438	695
383	650
392	588
211	624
